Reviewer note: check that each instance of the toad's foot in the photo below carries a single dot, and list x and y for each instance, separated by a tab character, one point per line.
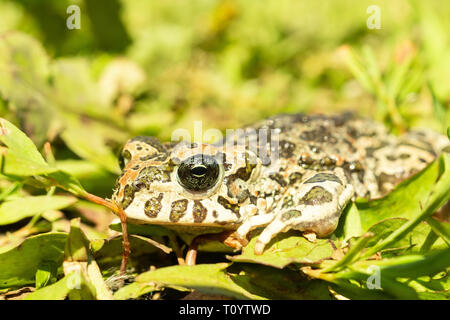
313	206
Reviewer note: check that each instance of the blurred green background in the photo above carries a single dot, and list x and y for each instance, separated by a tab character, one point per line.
149	67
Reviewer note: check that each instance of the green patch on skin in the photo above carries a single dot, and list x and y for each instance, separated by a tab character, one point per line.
287	202
178	210
227	205
150	174
322	177
316	196
291	214
128	196
153	206
199	212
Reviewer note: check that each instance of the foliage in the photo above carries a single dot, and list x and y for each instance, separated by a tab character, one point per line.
150	67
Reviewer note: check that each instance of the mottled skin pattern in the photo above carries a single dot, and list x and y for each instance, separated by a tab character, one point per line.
323	162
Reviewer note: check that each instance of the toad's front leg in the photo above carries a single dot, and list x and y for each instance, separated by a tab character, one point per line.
313	205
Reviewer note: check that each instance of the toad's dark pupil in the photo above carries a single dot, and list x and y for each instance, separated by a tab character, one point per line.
198	173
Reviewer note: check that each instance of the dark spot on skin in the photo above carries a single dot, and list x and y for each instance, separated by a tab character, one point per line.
146	158
321	134
286	148
178	210
343	118
253	199
153	206
387	181
154	157
302	118
160	157
214	213
316	196
295	177
138	147
243	174
371	150
327	162
199	212
152	141
156	173
287	202
350	145
243	195
278	178
222	158
352	132
315	149
290	215
423	147
228	205
135	167
391	158
322	177
128	196
353	166
306	161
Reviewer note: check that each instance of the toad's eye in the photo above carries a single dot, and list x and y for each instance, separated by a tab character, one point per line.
198	173
124	158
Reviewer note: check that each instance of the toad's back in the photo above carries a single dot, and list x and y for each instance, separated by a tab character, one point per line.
372	159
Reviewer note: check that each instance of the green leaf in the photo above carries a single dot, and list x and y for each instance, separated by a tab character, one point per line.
108	253
352	254
77	256
77	246
23	65
284	249
21	158
349	223
18	266
410	243
66	181
46	274
414	266
440	228
90	146
17	209
135	290
73	285
278	284
206	278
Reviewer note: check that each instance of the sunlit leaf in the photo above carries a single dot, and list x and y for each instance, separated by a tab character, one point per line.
17	209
